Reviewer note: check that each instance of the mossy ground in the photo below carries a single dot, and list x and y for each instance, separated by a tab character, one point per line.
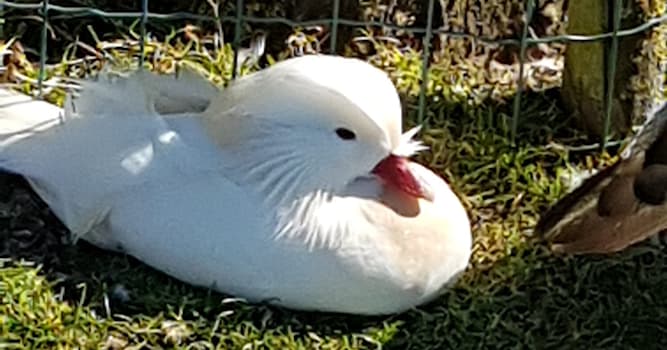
515	294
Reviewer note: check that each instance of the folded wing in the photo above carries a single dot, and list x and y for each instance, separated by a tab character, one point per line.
619	206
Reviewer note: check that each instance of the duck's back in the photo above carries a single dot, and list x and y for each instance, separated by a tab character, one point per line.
107	141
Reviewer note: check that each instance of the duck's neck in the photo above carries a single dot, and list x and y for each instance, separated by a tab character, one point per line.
281	167
303	211
301	203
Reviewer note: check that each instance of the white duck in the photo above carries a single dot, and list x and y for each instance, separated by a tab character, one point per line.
290	186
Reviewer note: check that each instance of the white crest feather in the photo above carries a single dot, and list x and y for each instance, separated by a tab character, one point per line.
407	146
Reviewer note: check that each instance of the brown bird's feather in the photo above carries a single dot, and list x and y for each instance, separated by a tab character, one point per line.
622	204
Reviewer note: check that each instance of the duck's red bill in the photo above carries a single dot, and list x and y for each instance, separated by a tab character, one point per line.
395	171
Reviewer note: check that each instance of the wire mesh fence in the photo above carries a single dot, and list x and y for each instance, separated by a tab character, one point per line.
46	11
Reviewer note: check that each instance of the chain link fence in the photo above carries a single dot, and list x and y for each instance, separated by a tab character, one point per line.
46	10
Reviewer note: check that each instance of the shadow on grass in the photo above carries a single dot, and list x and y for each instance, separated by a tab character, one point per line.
533	301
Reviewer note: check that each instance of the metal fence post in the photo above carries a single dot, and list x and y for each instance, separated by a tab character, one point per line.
426	56
334	27
522	60
612	58
42	48
238	28
142	42
2	20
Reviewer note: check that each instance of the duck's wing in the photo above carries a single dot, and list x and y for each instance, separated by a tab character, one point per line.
620	205
106	142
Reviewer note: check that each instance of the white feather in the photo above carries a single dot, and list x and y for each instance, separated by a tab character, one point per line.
408	147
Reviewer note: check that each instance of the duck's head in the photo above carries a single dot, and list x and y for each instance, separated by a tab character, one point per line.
321	121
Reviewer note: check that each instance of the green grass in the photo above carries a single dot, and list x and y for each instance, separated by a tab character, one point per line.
515	294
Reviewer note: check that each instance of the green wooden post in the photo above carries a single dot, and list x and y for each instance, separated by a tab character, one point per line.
585	80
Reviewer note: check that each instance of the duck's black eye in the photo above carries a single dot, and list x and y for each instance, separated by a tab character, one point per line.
346	134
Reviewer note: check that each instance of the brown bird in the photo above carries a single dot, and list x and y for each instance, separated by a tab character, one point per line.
623	204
